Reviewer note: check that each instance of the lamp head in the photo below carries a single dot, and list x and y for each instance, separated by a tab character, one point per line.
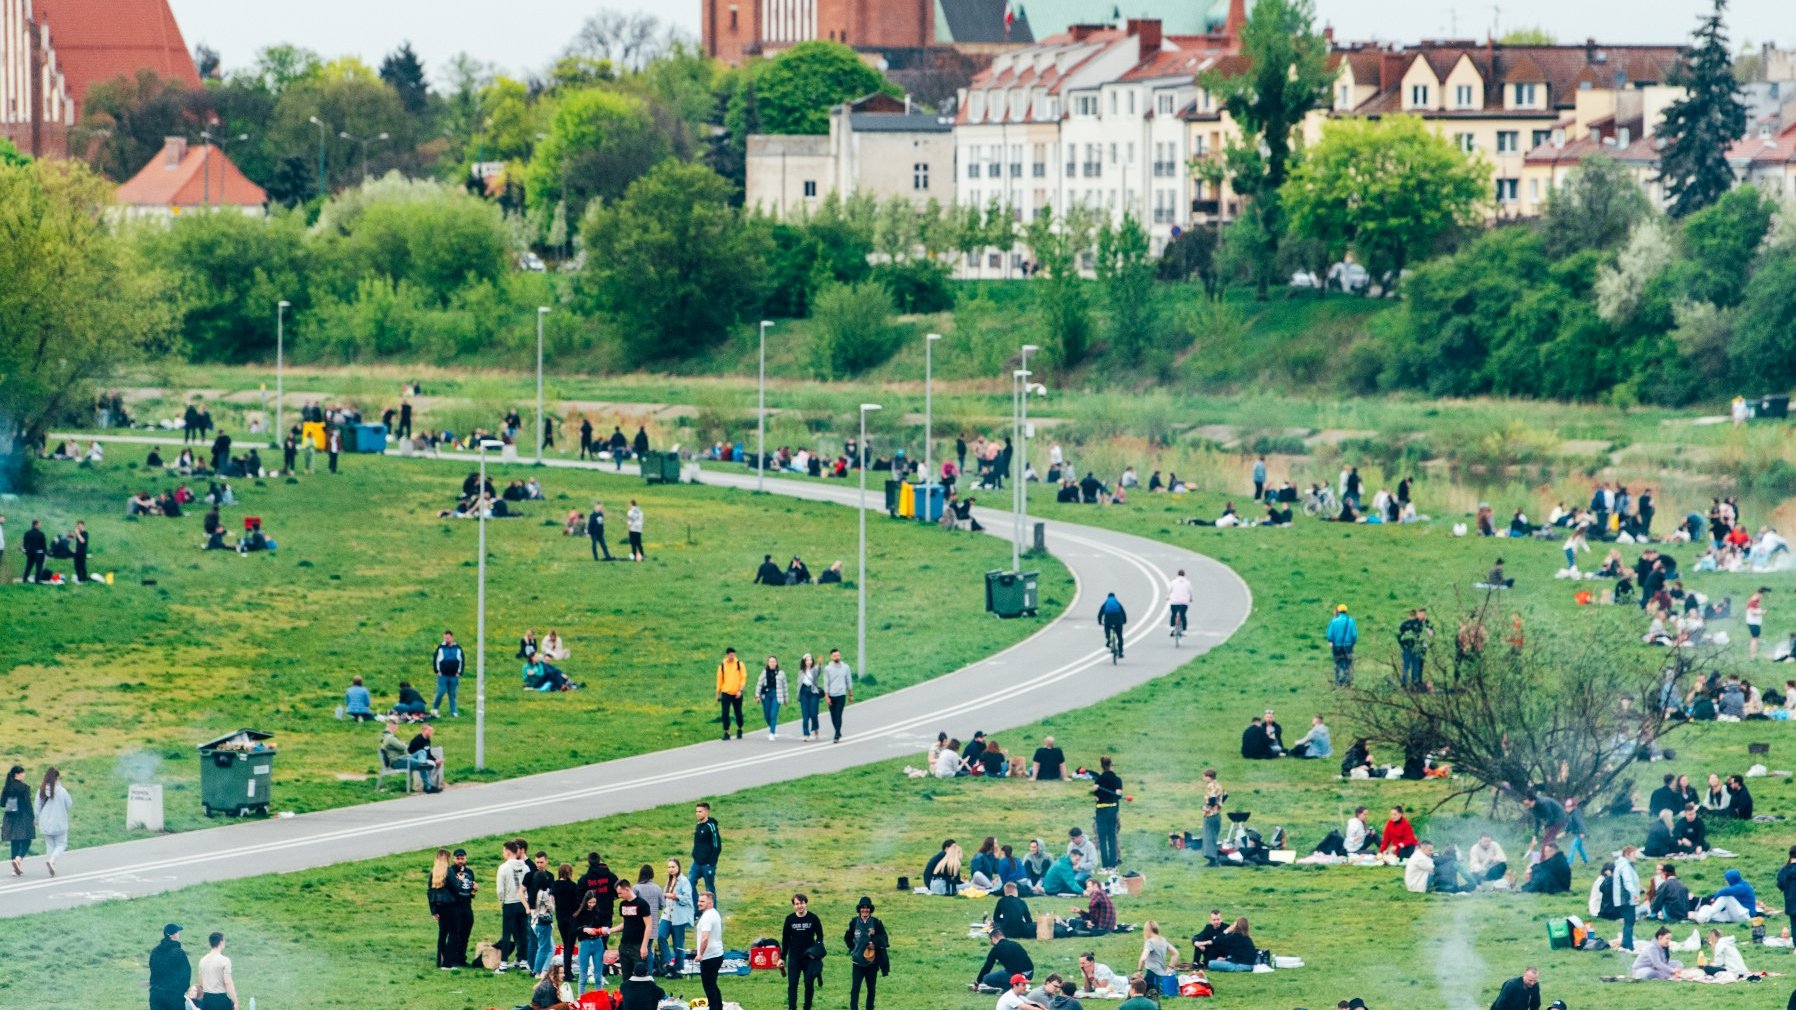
284	303
865	407
1021	373
491	443
932	336
315	120
1030	348
344	134
542	310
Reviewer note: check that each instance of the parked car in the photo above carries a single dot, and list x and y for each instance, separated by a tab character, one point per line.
531	262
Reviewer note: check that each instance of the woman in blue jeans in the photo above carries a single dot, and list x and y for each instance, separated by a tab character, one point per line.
542	931
676	916
1234	949
770	691
590	926
810	698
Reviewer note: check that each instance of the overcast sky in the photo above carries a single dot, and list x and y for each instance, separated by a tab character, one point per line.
523	35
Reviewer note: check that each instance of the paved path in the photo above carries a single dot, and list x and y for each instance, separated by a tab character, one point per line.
1060	668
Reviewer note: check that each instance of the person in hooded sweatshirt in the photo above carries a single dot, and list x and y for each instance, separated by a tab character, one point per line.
170	973
1733	903
1724	956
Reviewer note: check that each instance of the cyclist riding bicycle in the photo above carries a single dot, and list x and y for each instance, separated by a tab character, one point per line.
1112	616
1178	598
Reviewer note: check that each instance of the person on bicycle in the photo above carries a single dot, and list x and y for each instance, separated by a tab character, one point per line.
1112	616
1178	598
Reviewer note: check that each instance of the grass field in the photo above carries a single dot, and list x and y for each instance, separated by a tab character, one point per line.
356	935
117	684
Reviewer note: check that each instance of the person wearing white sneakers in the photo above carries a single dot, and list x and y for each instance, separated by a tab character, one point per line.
770	691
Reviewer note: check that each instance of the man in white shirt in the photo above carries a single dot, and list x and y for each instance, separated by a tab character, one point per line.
1359	835
218	991
710	948
1015	997
1178	598
514	919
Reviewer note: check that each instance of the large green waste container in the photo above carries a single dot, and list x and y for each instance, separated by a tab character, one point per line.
1011	594
237	773
661	467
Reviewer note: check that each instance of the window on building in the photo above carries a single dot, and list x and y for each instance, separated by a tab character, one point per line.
1131	102
1525	95
1508	141
1539	137
1534	189
1343	96
1163	104
1112	154
1462	96
733	13
1085	105
1507	190
972	170
1130	152
994	260
1053	108
919	176
1113	103
1040	163
810	188
1418	96
1466	142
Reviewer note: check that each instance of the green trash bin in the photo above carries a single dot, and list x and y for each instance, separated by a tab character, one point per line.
661	467
237	773
1011	594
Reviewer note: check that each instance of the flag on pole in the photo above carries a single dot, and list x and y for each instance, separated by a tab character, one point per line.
1009	16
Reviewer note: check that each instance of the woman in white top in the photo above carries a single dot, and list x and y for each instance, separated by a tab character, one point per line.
552	646
52	803
217	990
947	761
633	521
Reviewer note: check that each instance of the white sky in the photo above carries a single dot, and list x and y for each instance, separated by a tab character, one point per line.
524	35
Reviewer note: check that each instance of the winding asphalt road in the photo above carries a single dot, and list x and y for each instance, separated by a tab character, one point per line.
1062	667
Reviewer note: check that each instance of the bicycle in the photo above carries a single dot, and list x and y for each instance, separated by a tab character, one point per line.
1113	640
1318	500
1177	618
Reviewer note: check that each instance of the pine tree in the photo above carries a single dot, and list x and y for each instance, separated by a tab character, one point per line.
405	72
1700	127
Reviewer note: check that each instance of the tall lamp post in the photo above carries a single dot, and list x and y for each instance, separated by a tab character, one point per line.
315	121
1019	465
480	508
761	416
364	141
209	139
929	340
280	366
541	311
860	580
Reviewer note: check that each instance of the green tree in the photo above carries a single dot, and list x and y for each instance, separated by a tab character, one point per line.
1384	189
795	90
1059	291
404	72
1287	76
1595	208
852	329
127	118
346	96
229	271
598	143
281	65
1763	351
1530	36
77	304
672	262
1699	128
1125	275
1719	244
432	236
10	155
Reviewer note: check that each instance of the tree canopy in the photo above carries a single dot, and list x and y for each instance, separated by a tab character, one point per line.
1700	127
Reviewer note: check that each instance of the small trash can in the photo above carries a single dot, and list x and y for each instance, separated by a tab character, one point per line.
661	467
1010	594
892	498
237	773
368	438
929	502
347	432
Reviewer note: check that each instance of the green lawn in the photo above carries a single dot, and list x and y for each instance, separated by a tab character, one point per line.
356	935
117	684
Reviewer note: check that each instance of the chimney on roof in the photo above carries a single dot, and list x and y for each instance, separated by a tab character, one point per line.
1082	32
173	150
1328	35
1390	70
1237	19
1147	33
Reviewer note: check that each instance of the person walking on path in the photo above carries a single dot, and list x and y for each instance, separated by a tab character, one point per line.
36	548
770	691
867	957
676	915
710	948
448	664
801	932
1342	634
170	973
810	698
218	990
838	687
18	825
1108	794
732	678
640	444
707	848
81	542
595	531
51	806
585	437
405	419
633	520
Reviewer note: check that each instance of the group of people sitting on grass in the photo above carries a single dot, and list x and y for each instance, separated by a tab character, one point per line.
358	704
254	538
1264	739
1276	515
796	573
539	673
1008	969
1730	699
984	757
479	499
998	870
1088	490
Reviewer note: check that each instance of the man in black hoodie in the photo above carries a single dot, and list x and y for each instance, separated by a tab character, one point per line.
36	549
707	846
1012	914
170	973
867	943
802	932
1008	953
1108	796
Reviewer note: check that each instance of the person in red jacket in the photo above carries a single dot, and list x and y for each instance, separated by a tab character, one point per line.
1398	835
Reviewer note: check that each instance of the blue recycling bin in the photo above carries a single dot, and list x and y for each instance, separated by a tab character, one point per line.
369	438
929	502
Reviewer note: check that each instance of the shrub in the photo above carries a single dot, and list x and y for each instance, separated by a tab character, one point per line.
852	329
916	285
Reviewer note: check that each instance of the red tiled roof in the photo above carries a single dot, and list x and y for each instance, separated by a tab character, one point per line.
182	176
1561	68
1774	150
97	40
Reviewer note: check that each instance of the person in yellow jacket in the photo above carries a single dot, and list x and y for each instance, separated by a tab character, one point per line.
732	677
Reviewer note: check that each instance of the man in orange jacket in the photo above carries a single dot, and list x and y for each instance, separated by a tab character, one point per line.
731	678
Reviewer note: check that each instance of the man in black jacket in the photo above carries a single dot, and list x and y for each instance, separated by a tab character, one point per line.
1011	955
170	973
1664	798
36	547
595	531
1107	793
867	957
801	951
640	445
1011	915
707	846
641	992
769	574
1552	875
1521	992
1671	899
1203	945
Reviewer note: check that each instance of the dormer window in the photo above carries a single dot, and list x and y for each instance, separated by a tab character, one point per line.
1462	96
976	106
1527	96
1343	96
1418	96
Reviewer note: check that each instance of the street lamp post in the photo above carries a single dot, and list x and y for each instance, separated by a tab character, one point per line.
541	311
480	509
761	416
860	643
280	366
315	121
929	340
1019	390
208	138
1020	465
364	141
